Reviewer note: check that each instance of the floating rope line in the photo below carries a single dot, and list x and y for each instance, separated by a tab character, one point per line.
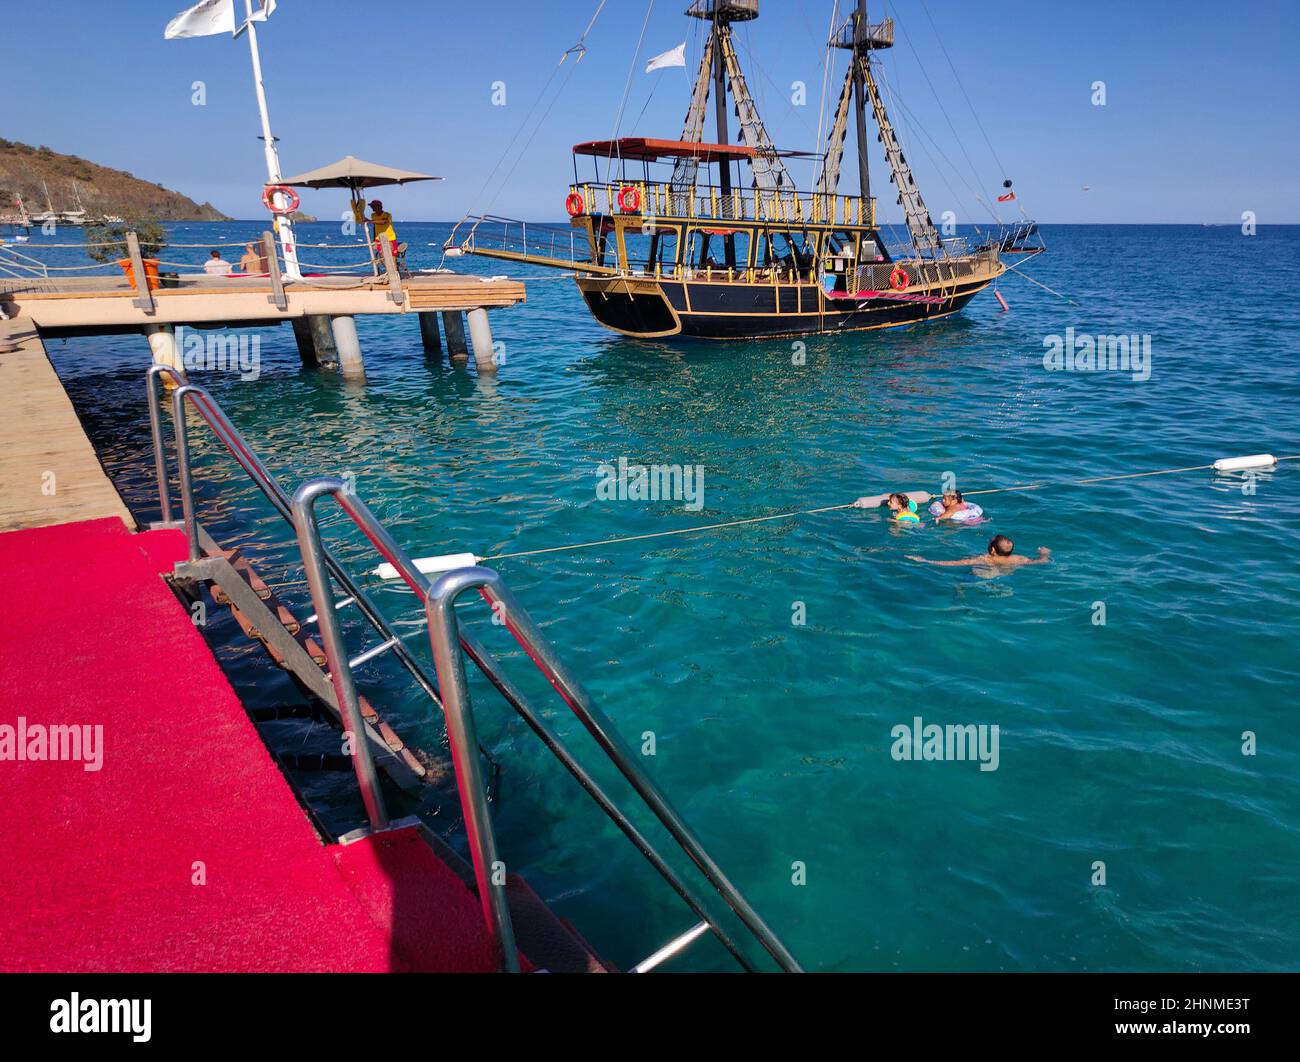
849	505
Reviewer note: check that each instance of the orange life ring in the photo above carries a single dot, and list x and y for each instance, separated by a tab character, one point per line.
574	204
629	199
269	194
899	278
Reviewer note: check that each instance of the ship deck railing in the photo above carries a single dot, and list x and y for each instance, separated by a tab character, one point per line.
452	645
956	265
666	202
489	232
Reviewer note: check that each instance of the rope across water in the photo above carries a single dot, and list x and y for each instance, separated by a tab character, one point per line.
849	505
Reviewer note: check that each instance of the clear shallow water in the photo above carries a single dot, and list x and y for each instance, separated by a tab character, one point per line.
1119	743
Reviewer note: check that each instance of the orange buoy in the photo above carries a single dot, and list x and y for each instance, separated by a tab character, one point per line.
574	204
899	278
629	199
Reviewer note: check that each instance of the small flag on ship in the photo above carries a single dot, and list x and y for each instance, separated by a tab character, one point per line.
672	57
1006	198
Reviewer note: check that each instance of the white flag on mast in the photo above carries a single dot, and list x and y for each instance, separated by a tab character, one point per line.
204	19
673	57
266	7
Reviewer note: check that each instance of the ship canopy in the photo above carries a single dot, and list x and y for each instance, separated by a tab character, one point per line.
648	149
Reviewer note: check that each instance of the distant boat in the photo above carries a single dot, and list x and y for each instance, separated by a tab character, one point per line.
750	255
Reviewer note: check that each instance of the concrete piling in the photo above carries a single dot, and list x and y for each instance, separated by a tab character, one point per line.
453	324
348	345
481	334
162	345
302	335
429	334
322	334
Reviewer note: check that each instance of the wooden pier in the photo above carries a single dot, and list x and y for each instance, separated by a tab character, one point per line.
322	307
49	473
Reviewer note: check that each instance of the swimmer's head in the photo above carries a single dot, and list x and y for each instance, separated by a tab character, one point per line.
1001	546
952	497
898	502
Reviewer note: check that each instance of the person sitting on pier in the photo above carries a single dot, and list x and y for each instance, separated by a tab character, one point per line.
217	266
252	263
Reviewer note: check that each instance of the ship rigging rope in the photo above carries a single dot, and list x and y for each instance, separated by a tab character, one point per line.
849	505
580	50
944	111
627	86
826	78
957	77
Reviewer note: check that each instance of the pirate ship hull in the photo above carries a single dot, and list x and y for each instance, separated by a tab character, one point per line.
654	309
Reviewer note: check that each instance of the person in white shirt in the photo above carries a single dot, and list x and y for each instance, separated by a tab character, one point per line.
217	266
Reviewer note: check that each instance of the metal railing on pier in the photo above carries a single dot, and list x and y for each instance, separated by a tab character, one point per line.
451	645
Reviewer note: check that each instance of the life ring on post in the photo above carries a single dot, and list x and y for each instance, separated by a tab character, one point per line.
268	198
574	204
629	199
899	278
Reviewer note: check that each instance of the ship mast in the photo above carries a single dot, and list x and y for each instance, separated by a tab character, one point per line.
861	37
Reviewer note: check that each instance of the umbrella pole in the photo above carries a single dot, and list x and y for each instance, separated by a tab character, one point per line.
365	225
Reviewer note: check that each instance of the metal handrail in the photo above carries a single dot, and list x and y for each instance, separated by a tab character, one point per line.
16	260
450	644
210	410
326	607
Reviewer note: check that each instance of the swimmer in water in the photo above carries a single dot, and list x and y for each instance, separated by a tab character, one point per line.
1001	554
903	508
953	504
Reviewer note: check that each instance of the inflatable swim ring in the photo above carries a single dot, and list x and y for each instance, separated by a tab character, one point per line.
971	513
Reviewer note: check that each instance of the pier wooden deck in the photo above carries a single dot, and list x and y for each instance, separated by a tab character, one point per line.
103	305
49	473
173	843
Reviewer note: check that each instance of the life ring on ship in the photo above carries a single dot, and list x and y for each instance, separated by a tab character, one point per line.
899	278
269	194
629	199
574	204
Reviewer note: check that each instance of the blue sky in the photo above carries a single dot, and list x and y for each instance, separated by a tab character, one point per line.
1199	125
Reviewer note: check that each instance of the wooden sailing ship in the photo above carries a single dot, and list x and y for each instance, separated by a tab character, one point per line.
672	240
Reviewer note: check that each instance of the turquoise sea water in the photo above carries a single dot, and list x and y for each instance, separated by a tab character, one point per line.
1119	743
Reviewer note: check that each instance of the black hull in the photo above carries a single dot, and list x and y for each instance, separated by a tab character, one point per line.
668	309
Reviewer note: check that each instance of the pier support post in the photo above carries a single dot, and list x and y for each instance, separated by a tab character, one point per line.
322	334
481	335
429	334
349	346
162	345
454	325
306	342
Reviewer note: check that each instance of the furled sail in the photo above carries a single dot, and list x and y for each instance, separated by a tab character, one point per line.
685	169
829	181
770	175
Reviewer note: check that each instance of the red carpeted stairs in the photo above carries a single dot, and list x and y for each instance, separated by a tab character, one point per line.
187	850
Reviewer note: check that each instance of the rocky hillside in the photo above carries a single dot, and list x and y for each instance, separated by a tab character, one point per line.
102	190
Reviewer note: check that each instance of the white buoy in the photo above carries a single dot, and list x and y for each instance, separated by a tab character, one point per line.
428	565
1240	464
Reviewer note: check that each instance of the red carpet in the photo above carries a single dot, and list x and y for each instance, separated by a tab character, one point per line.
100	867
